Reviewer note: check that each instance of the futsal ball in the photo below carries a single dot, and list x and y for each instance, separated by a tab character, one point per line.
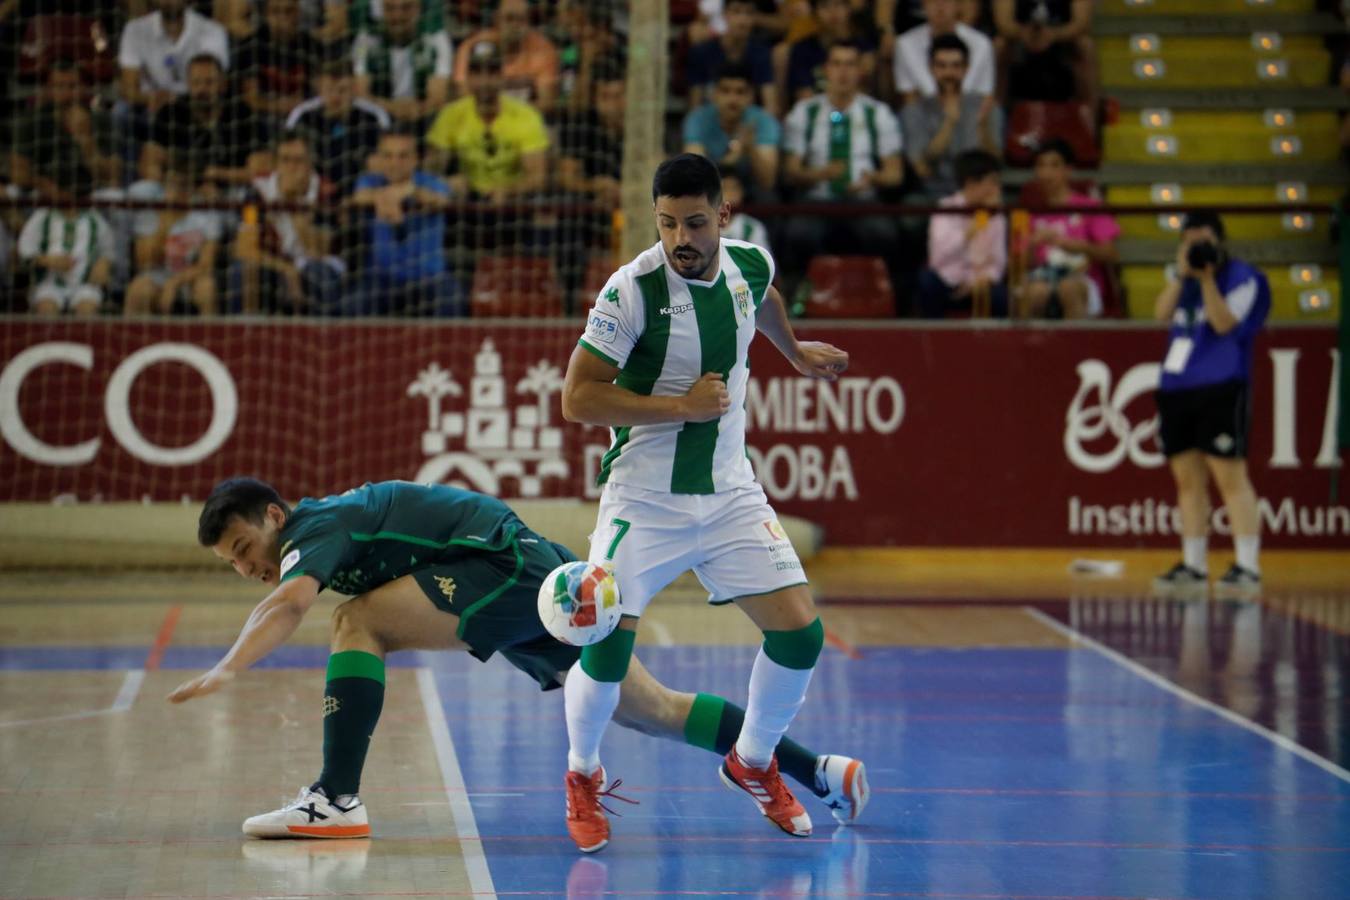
579	603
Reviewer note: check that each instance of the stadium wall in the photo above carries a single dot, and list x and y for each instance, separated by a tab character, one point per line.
984	435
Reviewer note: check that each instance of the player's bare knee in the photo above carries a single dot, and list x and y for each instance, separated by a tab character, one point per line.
352	624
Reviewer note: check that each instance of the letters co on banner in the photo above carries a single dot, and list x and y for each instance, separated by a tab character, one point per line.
936	437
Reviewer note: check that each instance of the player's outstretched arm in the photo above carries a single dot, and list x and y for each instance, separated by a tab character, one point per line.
815	359
269	625
590	396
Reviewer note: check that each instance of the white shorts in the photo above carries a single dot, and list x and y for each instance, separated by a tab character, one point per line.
732	541
66	296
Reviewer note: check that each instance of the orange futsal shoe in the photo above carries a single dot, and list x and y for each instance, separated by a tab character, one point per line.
586	821
766	788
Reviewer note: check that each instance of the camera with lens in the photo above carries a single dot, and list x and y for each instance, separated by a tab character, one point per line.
1202	254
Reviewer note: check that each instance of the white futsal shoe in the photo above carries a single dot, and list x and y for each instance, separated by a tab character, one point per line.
844	783
312	814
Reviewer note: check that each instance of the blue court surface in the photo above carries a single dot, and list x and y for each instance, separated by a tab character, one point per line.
996	773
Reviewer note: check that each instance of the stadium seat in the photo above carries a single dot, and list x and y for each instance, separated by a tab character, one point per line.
1033	122
850	287
517	286
55	36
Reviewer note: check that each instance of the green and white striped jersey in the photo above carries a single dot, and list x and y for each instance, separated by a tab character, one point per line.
85	237
748	228
665	332
862	135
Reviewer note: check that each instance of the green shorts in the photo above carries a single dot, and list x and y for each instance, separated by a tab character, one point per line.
495	596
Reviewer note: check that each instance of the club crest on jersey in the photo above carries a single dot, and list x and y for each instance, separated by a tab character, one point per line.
742	295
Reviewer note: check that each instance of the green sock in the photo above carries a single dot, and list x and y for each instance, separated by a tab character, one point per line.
352	700
714	723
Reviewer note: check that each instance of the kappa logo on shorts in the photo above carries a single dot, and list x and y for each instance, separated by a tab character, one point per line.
447	586
602	327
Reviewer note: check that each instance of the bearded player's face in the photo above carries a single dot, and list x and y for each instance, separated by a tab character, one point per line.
253	548
691	233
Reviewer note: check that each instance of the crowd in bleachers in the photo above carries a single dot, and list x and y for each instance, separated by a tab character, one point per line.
368	124
302	156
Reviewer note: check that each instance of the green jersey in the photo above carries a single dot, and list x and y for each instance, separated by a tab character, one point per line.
358	540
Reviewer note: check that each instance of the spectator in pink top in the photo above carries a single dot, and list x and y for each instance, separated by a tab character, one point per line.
967	255
1068	251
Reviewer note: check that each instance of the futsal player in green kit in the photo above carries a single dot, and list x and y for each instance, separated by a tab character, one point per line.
428	567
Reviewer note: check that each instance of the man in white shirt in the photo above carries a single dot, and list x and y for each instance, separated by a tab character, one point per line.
840	147
153	54
155	50
912	76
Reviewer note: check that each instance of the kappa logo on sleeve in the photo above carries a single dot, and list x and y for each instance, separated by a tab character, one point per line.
602	327
289	561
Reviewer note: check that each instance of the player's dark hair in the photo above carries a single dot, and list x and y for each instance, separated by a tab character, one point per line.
688	175
404	130
1203	218
948	42
735	71
203	58
247	498
974	165
845	45
1058	146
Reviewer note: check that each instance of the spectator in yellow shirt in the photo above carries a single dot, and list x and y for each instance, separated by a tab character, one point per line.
499	143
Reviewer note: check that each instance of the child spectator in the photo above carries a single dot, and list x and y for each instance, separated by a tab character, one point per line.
968	254
73	250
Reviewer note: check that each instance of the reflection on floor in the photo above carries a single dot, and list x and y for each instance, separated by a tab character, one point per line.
1048	739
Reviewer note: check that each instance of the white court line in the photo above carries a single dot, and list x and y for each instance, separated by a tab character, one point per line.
470	843
1147	674
131	687
126	696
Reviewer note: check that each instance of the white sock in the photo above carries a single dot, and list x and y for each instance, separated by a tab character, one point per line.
1248	551
776	693
1194	552
589	705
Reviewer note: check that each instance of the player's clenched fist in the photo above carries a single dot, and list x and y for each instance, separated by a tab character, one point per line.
707	399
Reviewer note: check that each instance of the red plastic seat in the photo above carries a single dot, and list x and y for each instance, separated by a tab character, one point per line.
516	286
1033	122
850	287
55	36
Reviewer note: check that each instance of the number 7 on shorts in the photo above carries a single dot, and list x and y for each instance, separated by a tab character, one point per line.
622	527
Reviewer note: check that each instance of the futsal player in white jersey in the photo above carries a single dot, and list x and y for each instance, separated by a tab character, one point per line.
664	363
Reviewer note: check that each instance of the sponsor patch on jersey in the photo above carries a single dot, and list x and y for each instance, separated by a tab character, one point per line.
602	327
676	310
289	560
